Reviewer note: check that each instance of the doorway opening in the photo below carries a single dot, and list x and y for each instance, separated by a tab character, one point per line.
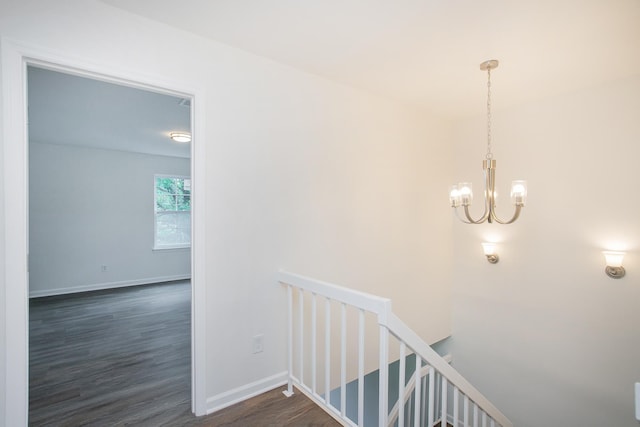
101	221
16	57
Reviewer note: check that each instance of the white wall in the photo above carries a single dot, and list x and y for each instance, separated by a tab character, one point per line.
545	332
301	174
91	207
329	183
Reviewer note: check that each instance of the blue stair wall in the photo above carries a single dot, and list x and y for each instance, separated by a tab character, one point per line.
371	386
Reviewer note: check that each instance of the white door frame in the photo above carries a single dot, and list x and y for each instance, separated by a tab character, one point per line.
15	58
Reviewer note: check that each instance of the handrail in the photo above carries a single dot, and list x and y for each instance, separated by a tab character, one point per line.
398	328
390	323
362	300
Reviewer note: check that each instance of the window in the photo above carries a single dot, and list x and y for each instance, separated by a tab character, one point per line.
172	212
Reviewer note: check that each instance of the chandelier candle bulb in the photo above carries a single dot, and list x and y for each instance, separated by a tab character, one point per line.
454	196
465	189
519	192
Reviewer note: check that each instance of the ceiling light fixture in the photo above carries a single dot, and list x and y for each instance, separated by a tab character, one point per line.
462	193
180	136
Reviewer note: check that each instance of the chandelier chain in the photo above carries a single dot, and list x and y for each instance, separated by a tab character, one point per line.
489	153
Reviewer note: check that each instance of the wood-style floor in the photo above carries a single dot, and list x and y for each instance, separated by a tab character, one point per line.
122	358
269	410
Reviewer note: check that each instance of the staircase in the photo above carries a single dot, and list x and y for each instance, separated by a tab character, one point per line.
336	334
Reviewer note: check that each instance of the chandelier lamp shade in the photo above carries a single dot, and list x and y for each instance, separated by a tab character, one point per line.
461	194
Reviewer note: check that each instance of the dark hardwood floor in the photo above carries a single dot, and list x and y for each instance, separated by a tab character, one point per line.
122	357
114	357
270	409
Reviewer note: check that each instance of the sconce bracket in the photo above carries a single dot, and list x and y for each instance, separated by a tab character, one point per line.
493	259
615	272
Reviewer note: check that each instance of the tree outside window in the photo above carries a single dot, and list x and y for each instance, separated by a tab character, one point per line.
172	212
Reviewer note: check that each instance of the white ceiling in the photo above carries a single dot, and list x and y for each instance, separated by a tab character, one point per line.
427	51
72	110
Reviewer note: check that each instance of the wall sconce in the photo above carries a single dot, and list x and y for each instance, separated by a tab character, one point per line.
490	252
614	267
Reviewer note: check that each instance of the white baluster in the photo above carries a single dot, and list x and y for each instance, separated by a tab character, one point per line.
418	391
343	361
401	375
361	369
424	404
466	411
475	415
443	411
301	335
456	407
327	351
313	342
383	379
290	339
432	374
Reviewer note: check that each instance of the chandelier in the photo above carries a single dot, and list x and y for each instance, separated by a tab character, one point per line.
461	194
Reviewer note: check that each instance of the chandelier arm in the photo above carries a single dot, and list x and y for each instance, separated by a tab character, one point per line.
461	218
489	189
516	214
471	220
492	215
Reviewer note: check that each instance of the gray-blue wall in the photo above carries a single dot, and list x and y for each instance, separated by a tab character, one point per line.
91	208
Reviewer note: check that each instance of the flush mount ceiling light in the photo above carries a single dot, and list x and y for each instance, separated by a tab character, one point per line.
180	136
462	194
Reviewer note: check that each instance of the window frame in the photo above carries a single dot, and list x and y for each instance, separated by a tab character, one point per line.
164	247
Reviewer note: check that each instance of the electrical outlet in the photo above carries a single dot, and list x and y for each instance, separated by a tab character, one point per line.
103	268
258	344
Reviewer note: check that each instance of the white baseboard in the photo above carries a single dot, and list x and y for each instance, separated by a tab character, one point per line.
247	391
108	285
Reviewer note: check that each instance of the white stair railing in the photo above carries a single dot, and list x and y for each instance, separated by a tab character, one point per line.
438	393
